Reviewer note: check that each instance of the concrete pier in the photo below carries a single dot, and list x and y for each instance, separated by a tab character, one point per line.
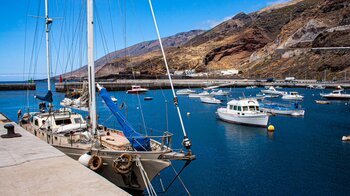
123	85
17	86
29	166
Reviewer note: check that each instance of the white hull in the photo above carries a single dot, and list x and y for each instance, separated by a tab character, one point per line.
336	97
210	100
260	119
185	92
273	92
284	112
287	97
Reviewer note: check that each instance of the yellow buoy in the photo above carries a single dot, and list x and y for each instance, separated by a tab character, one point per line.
270	128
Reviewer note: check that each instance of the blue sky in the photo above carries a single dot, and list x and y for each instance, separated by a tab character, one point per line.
68	34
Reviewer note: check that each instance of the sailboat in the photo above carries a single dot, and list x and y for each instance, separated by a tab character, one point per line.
47	121
127	158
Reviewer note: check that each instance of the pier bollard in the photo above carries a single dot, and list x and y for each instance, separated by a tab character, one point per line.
10	132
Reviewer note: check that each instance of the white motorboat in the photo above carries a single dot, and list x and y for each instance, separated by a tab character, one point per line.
185	91
277	108
336	95
243	111
135	89
210	100
273	91
263	96
293	96
319	87
219	93
310	86
202	94
251	87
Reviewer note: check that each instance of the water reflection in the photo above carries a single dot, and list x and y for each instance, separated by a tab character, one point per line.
241	133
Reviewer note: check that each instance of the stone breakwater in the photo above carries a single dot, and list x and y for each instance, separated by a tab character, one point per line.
122	85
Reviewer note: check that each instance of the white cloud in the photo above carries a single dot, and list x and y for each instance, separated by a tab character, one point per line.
277	2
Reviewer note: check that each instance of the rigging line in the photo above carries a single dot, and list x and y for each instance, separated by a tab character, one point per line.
167	68
34	40
59	41
103	37
25	40
73	44
81	21
110	17
38	52
151	62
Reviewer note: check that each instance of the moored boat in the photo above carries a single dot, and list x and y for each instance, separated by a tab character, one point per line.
184	91
272	90
243	111
135	89
202	94
336	95
322	102
219	93
276	108
293	96
210	100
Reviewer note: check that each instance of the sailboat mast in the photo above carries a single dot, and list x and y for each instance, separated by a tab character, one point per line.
48	21
91	65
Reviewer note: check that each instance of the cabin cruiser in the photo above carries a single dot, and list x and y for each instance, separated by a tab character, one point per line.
210	100
277	108
243	111
337	94
202	94
319	87
185	91
135	89
219	93
263	96
272	90
293	96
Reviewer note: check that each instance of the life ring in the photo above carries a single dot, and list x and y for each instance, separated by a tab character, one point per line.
123	163
95	163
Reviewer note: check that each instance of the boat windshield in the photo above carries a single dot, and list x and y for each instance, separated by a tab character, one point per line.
252	108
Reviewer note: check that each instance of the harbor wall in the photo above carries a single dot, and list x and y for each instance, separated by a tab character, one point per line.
17	86
123	85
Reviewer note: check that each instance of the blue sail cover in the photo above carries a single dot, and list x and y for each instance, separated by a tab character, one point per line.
137	140
47	97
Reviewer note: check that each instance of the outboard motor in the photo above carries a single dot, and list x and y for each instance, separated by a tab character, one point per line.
42	107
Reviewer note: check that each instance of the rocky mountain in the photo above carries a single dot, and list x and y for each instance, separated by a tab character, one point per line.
138	49
282	40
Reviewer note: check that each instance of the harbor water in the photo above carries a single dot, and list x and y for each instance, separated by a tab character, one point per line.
305	155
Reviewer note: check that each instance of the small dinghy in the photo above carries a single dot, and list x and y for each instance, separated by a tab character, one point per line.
322	102
346	138
148	98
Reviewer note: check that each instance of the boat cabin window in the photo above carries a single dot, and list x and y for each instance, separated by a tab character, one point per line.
235	107
239	108
63	122
231	107
245	108
257	108
36	122
77	120
251	108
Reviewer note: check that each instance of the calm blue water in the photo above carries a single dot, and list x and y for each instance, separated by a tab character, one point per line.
305	155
